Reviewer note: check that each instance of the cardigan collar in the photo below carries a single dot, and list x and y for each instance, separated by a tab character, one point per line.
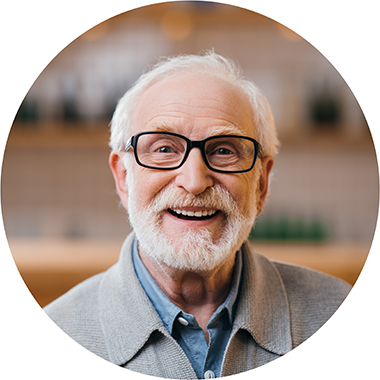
263	308
128	318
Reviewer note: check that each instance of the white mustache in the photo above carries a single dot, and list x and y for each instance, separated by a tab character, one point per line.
216	197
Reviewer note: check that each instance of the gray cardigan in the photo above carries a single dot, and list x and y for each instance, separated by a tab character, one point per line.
279	307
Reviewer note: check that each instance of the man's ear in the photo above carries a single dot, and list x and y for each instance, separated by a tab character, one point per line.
120	175
267	164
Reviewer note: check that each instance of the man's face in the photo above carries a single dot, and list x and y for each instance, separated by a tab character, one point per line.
196	107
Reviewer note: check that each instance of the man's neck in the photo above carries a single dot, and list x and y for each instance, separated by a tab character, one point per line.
196	293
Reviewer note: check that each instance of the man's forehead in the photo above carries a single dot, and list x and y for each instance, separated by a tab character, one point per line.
174	103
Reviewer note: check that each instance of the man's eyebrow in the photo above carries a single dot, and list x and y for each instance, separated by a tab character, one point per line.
214	131
165	127
227	130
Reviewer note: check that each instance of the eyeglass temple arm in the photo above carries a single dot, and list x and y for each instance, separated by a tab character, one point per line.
260	152
128	145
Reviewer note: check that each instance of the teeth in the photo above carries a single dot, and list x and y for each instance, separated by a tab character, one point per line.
196	213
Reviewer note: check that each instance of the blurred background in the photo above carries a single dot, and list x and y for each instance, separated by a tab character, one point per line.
60	209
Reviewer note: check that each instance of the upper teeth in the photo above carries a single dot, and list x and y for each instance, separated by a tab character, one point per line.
195	213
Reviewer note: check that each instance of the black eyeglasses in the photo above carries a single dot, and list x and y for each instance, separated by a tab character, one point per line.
168	151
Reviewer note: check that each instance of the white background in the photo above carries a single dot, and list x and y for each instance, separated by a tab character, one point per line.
33	33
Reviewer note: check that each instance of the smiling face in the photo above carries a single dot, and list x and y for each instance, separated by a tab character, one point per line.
191	217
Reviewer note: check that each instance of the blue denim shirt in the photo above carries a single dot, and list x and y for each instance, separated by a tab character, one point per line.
206	359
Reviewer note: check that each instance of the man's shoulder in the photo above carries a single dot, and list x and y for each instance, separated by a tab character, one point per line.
313	297
80	298
76	313
302	280
299	280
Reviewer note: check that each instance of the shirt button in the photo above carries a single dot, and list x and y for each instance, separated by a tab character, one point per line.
182	321
209	375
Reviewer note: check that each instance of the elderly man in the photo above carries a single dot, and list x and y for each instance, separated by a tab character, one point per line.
192	149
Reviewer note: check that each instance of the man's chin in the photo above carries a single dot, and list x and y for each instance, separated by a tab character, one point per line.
196	253
191	238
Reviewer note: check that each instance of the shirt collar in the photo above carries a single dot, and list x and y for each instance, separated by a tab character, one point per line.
165	308
230	303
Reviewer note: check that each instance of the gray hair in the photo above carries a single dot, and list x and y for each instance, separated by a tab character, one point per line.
211	64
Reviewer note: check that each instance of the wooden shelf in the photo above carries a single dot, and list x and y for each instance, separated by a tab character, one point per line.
51	267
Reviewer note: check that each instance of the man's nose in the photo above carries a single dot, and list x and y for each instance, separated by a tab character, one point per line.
194	176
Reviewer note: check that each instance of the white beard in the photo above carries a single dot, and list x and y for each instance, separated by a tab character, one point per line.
195	249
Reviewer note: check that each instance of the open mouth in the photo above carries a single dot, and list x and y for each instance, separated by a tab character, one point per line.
193	215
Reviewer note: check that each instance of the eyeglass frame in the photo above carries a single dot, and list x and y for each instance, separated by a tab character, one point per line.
200	144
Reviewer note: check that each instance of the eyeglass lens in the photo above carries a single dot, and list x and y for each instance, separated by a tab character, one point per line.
222	152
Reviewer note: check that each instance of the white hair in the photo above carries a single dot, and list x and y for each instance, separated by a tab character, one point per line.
211	64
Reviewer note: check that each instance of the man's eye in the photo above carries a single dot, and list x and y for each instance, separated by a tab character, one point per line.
165	149
223	151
